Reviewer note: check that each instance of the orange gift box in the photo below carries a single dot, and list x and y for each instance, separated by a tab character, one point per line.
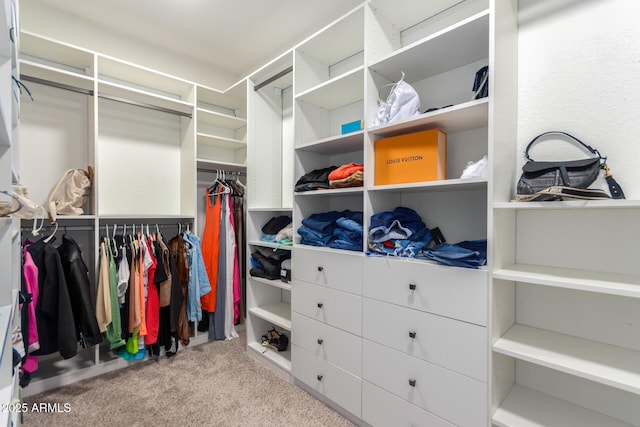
413	157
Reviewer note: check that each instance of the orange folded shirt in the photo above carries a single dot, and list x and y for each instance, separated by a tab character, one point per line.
345	171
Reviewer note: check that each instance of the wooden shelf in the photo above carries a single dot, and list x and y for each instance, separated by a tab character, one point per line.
603	363
278	314
342	90
445	185
280	358
590	281
333	145
524	407
275	283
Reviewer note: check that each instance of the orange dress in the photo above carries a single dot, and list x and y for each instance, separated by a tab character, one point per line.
211	249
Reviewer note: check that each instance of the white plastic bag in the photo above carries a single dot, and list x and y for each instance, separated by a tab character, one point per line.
478	169
403	102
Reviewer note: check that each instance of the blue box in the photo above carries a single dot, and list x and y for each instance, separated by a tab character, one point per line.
352	127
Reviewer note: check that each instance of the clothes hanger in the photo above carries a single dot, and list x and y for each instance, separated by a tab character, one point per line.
48	239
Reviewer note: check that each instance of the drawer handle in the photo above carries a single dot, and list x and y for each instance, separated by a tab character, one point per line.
320	305
412	286
319	377
412	383
320	268
320	341
412	334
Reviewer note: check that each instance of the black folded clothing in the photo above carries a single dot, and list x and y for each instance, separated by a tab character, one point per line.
314	180
275	224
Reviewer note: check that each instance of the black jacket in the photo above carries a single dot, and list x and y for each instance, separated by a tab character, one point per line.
54	317
80	293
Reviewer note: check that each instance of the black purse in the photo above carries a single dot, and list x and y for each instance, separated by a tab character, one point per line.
556	180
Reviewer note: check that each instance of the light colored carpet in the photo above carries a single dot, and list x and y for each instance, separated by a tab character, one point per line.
213	384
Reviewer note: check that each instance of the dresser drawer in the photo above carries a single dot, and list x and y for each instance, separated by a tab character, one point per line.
336	384
453	344
460	293
340	270
332	344
452	396
381	408
340	309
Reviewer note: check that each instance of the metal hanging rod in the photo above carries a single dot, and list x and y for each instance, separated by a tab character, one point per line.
103	96
273	78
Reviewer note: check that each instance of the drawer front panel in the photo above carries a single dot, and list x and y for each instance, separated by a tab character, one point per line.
452	396
455	345
381	408
340	309
460	293
336	384
341	271
334	345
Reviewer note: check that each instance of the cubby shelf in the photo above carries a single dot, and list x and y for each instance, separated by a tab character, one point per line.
269	245
220	141
330	192
212	165
445	185
572	204
52	74
341	90
338	144
280	358
279	314
219	119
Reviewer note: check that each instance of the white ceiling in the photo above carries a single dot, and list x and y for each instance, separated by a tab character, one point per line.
234	35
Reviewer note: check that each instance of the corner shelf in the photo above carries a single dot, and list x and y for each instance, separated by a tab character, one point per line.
603	363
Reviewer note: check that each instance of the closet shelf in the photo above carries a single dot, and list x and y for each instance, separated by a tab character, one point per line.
524	407
279	314
269	245
342	90
574	204
120	91
269	209
218	119
590	281
331	192
220	141
603	363
275	283
445	185
339	144
149	217
56	75
280	358
457	118
470	37
212	165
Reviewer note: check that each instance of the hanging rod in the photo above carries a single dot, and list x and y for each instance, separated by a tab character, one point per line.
57	85
273	78
144	105
112	98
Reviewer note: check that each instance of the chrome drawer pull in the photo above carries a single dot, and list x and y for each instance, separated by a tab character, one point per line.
412	334
320	341
319	377
412	383
320	268
412	286
320	305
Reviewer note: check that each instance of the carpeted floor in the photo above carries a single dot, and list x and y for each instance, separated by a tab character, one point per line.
213	384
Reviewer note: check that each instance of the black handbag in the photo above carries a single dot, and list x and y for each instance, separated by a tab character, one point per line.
538	177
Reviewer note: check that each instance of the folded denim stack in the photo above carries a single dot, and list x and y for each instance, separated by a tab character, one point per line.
278	229
468	253
335	229
351	175
400	233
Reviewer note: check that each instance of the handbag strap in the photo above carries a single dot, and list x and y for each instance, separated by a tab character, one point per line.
570	137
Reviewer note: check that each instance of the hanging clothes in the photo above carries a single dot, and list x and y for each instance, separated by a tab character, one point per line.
238	224
29	288
179	288
153	302
199	284
211	248
231	272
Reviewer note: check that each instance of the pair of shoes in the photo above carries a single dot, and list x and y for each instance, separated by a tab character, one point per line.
275	340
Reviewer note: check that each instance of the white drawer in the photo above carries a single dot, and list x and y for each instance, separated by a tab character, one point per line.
340	309
340	270
452	396
446	342
332	344
336	384
460	293
381	408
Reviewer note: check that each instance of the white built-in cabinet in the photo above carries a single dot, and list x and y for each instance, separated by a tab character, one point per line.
9	227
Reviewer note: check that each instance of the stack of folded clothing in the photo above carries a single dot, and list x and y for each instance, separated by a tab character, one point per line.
351	175
266	262
338	230
278	229
314	180
402	233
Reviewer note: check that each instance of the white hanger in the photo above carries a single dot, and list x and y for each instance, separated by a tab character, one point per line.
48	239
